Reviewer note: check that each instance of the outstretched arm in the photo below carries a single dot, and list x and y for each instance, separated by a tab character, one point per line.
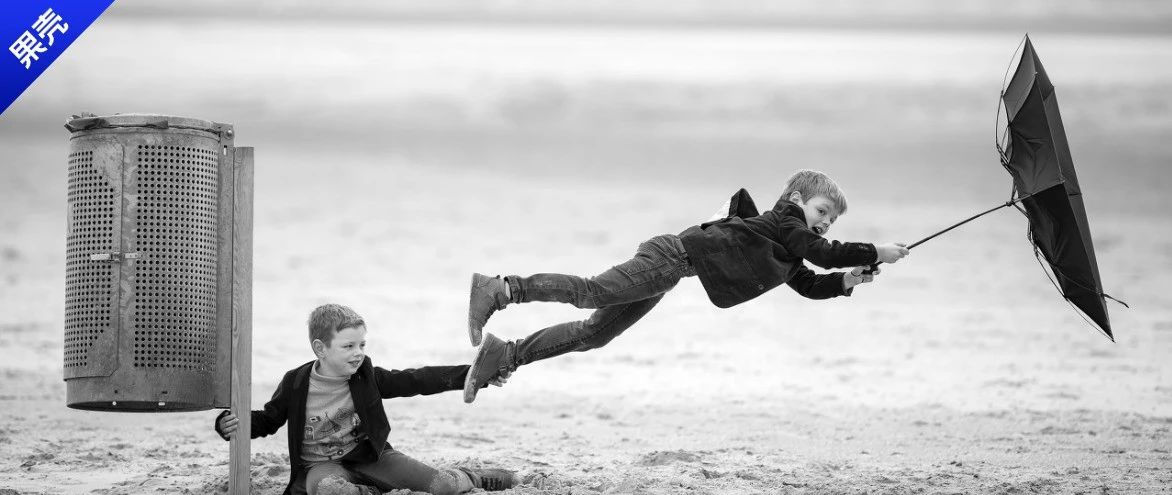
425	380
818	286
802	242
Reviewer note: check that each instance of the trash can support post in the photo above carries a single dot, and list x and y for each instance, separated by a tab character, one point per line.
239	482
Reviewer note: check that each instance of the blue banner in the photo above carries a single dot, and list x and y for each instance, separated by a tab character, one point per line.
33	33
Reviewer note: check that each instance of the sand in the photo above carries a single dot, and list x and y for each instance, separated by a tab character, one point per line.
960	370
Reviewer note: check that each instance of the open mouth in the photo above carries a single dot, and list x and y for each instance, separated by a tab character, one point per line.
818	230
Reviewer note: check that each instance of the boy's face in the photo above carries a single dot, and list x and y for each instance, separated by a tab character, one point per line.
343	355
820	212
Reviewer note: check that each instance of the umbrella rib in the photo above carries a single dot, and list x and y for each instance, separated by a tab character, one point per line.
1001	98
1038	255
1108	296
1041	255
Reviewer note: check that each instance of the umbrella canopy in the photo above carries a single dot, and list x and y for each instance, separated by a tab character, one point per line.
1037	155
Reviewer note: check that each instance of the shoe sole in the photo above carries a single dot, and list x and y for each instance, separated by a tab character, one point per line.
470	388
475	330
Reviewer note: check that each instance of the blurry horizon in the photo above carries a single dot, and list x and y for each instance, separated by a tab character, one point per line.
1087	16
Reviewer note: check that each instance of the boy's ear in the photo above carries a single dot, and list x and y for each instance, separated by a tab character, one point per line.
795	197
319	347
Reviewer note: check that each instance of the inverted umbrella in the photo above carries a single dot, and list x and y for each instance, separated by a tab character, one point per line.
1037	156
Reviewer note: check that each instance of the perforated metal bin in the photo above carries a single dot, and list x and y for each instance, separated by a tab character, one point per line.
154	261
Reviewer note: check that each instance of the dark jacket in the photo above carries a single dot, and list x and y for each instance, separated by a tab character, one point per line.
747	254
368	386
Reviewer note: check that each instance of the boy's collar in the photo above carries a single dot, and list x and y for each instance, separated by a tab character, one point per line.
315	370
787	207
366	363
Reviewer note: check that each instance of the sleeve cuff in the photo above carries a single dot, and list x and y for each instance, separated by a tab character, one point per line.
841	282
874	251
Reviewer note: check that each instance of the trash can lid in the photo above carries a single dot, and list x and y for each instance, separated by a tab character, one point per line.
89	121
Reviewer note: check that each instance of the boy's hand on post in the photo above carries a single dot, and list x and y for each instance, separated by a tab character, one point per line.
228	424
891	252
858	275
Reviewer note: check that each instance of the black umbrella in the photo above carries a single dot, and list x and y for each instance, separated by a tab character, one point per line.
1037	156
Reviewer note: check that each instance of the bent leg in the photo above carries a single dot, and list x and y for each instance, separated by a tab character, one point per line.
313	476
395	470
577	336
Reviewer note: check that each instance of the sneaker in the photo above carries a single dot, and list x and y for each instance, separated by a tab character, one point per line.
486	296
491	479
491	361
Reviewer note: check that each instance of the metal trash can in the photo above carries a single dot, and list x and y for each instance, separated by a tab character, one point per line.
153	261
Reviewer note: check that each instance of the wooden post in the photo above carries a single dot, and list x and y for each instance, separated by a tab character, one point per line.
239	481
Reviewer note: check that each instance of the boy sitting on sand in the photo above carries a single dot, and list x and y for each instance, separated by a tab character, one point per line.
737	258
337	426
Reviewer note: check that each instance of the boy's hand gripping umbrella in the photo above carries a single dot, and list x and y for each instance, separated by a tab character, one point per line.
1034	150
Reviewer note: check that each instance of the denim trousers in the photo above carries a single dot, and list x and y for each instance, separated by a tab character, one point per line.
620	296
392	470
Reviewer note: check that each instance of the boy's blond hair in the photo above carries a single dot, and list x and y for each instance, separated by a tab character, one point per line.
814	183
327	319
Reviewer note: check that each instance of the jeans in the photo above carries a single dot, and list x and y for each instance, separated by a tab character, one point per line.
620	296
393	470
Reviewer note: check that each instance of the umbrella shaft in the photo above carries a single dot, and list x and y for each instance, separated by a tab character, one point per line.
967	220
955	225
